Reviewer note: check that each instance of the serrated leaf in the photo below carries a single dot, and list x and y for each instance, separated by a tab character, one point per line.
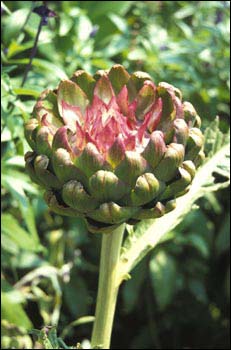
214	138
47	337
148	233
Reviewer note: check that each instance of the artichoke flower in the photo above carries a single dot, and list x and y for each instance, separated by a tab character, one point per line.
113	147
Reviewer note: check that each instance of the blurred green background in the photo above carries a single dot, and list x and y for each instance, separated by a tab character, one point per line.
178	297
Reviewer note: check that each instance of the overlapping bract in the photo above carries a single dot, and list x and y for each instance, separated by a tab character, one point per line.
113	148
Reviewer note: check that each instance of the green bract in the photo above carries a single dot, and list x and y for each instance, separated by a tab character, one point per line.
113	148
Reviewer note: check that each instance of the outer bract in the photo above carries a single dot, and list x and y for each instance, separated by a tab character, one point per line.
113	148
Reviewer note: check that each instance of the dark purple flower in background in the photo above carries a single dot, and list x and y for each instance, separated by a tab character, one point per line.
163	47
94	31
219	17
44	12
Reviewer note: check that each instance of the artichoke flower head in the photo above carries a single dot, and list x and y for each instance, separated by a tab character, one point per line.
113	147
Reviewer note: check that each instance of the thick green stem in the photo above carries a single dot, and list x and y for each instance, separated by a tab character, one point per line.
108	288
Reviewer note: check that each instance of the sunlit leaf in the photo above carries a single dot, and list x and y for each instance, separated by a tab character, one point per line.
12	309
12	229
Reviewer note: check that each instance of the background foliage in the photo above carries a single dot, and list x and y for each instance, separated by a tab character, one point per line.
178	296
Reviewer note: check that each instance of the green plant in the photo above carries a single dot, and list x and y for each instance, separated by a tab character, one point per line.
114	149
50	262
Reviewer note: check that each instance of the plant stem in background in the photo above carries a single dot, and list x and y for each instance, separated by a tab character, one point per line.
33	52
28	15
44	12
108	288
